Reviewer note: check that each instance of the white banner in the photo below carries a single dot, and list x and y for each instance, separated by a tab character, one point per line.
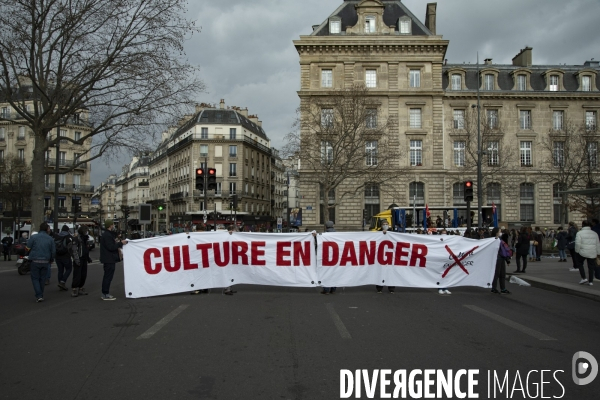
187	262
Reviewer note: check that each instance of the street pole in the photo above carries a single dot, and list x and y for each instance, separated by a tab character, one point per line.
205	167
56	179
288	201
479	179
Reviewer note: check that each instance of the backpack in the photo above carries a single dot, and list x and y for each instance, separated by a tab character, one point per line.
62	245
505	251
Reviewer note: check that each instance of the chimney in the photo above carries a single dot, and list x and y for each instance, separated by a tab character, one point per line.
430	17
524	58
244	112
487	61
222	105
253	118
592	64
260	123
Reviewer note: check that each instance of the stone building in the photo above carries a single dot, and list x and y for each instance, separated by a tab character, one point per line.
382	45
232	142
132	188
104	201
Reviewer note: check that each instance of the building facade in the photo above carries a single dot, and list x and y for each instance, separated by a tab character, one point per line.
132	188
523	109
104	200
236	146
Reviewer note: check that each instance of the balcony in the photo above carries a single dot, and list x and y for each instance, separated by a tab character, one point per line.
64	187
51	162
178	196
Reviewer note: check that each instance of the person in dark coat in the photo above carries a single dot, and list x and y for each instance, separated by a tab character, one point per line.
64	256
500	272
7	242
571	234
109	256
522	249
539	238
80	262
561	244
329	228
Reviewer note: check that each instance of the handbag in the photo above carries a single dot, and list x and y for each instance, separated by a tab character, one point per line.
535	243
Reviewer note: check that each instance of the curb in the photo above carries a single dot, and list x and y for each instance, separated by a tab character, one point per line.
558	287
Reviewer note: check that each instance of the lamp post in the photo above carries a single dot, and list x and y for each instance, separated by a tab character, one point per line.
56	178
479	179
288	201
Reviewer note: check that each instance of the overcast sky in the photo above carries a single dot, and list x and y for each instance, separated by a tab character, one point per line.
247	57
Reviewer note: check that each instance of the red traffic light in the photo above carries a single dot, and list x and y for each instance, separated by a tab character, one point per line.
212	171
469	184
199	171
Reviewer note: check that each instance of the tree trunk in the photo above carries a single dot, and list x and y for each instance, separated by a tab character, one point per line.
38	182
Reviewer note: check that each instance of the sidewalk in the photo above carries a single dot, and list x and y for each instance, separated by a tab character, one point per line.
550	274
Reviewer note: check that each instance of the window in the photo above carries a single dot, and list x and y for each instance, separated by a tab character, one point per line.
203	150
21	154
371	78
494	197
416	153
63	133
416	193
492	118
326	78
458	193
327	117
459	154
232	187
232	133
415	78
558	154
415	118
61	180
456	82
554	83
370	24
5	112
371	119
371	152
586	84
62	158
557	120
560	210
334	26
527	202
77	135
204	133
76	181
372	201
525	154
405	26
232	169
493	153
488	82
592	153
326	152
521	82
525	119
21	133
459	119
2	134
590	120
232	151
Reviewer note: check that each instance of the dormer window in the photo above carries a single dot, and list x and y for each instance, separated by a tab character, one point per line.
404	26
554	79
586	84
456	82
335	26
521	82
488	82
369	24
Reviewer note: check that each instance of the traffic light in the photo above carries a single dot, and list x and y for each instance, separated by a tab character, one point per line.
234	201
126	212
365	214
75	205
212	179
161	207
200	179
468	190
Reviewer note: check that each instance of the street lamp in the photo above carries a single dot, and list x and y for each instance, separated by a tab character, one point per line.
479	178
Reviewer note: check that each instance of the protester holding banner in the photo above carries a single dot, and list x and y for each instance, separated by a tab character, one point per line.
329	228
501	260
391	289
109	256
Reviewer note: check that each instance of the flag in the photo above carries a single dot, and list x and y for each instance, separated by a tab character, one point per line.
427	211
495	215
493	207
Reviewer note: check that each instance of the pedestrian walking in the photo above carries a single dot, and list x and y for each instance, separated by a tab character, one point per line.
561	244
109	256
64	256
539	238
7	242
523	244
587	247
80	262
42	251
329	228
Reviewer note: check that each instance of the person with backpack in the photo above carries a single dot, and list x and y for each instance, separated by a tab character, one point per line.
503	257
64	256
81	258
571	236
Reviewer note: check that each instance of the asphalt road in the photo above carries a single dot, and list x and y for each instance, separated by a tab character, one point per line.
279	343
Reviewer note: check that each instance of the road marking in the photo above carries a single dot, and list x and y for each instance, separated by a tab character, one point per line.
156	327
338	322
512	324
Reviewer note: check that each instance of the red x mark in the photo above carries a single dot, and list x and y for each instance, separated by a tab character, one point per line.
458	261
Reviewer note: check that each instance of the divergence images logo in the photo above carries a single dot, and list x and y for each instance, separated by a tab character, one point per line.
584	363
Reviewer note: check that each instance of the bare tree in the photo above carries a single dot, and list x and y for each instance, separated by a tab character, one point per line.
15	184
120	62
343	140
589	176
564	160
498	155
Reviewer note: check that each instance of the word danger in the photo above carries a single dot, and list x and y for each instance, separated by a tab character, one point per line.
222	254
370	253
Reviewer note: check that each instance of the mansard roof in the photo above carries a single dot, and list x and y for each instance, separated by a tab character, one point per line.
393	10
